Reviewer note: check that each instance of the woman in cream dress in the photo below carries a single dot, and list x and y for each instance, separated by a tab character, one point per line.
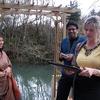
87	82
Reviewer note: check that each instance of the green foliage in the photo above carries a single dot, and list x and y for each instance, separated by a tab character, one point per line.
27	42
74	16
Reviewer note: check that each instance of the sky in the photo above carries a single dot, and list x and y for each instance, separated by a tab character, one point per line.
85	5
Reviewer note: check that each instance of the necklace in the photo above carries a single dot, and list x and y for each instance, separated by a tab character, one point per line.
88	51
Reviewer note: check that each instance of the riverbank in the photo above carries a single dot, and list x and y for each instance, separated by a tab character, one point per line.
31	56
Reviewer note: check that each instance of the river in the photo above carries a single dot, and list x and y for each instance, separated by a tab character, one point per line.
34	81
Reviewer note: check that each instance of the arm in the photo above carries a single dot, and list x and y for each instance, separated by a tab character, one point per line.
64	55
8	70
67	57
96	72
88	72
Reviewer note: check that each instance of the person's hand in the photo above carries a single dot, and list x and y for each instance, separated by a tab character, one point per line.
96	72
8	71
69	72
88	72
2	74
68	57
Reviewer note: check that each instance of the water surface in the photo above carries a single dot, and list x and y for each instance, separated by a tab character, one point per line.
34	81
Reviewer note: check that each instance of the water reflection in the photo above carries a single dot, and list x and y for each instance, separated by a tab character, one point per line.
34	81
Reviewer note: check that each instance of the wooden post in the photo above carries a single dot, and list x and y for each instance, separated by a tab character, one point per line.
56	57
64	25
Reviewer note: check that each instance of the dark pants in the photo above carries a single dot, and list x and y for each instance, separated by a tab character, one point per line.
64	85
87	88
